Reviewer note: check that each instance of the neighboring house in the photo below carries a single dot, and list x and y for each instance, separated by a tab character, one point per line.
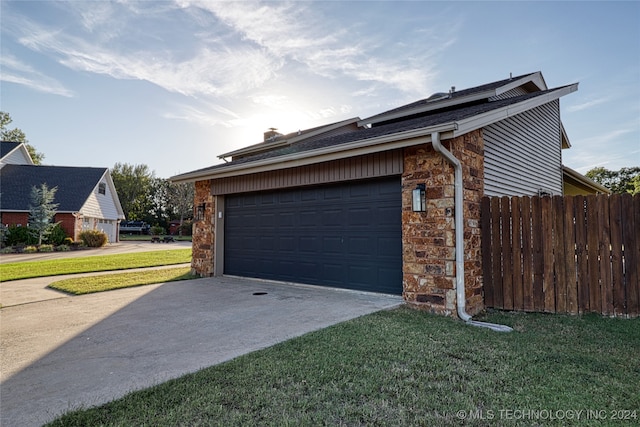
577	184
86	197
333	206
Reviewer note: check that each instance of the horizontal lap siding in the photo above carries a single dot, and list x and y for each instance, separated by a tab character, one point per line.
523	153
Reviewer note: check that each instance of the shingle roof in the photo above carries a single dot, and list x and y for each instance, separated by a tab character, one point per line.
430	119
456	94
75	185
6	147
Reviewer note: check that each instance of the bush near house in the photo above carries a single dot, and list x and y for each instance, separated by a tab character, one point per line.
94	238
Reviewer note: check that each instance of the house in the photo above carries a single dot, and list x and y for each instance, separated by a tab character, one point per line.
334	205
86	196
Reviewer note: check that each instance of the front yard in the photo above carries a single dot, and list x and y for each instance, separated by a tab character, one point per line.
406	367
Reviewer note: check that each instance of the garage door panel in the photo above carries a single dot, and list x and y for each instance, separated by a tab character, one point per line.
345	235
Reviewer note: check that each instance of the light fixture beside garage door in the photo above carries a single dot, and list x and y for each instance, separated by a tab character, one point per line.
418	201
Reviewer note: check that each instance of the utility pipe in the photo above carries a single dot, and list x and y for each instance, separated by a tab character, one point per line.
459	238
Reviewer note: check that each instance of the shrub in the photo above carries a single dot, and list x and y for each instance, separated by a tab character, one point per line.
30	250
57	235
68	241
157	230
45	248
62	248
7	250
94	238
20	236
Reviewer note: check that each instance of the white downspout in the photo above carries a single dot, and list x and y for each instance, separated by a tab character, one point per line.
459	237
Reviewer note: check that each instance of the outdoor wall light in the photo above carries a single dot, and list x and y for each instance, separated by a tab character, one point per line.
200	211
418	199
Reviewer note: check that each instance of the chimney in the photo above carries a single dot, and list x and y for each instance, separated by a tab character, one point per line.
271	135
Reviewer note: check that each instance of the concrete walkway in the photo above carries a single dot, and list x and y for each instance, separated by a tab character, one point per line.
66	352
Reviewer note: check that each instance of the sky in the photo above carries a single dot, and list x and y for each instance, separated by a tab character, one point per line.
174	84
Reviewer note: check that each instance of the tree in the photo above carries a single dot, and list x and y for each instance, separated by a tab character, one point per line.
180	200
625	180
17	135
133	185
42	210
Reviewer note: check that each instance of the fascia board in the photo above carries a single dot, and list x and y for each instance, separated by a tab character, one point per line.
352	149
481	120
436	105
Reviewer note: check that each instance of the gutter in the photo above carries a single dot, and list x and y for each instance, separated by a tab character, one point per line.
459	239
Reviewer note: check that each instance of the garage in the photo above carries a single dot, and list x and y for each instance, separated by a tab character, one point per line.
346	235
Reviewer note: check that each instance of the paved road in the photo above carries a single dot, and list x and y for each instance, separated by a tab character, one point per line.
72	351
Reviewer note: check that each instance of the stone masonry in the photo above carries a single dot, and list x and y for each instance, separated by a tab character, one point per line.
428	238
203	231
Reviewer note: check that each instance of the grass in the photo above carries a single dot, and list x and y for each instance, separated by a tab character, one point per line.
26	270
406	367
88	285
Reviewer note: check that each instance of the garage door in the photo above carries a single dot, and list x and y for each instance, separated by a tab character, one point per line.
346	235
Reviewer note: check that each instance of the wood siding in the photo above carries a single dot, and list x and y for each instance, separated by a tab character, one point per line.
571	254
387	163
523	153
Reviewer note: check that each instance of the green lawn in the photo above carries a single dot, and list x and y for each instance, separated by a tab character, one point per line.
409	368
25	270
88	285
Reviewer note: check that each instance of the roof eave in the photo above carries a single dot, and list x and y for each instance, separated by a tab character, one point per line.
584	180
484	119
335	152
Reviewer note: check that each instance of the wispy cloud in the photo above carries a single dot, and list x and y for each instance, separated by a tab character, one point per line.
15	71
587	104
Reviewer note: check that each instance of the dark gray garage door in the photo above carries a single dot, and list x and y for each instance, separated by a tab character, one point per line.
346	235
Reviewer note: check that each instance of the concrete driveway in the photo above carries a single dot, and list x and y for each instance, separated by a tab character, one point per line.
70	352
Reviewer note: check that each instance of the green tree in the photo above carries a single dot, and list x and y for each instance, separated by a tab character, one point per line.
42	210
625	180
180	201
133	184
17	135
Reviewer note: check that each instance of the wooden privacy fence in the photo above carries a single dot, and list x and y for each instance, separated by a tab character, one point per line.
571	254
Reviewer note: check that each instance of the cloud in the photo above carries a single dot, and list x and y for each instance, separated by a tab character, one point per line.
209	115
15	71
587	104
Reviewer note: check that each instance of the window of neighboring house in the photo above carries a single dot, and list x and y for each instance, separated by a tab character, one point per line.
102	188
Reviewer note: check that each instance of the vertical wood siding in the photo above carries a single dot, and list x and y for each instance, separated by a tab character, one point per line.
376	165
523	153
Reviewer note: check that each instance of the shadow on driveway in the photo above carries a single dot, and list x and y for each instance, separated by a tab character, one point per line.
82	351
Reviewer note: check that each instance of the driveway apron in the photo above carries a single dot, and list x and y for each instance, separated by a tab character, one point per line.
79	351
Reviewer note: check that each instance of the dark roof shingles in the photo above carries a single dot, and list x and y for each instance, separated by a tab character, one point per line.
74	184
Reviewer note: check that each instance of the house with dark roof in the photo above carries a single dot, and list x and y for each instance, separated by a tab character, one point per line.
390	203
86	196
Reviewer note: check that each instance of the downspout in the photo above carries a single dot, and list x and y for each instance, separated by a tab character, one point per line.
459	238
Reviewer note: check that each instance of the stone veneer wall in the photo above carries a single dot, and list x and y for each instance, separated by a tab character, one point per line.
428	238
203	231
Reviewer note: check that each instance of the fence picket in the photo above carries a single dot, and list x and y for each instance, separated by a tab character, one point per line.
571	254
